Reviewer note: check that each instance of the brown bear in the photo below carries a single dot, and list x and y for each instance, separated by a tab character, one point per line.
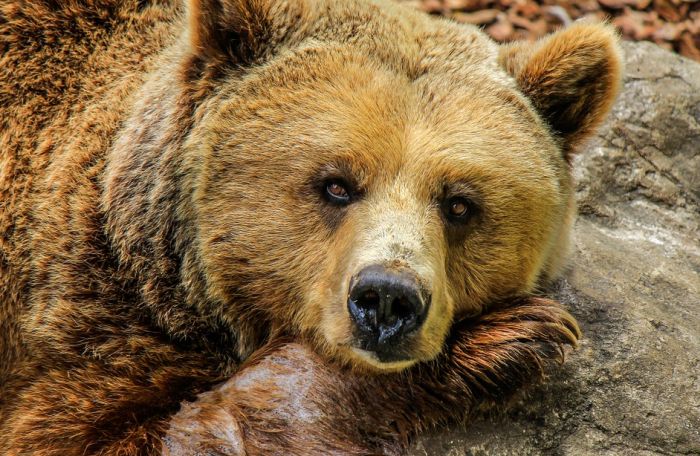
352	199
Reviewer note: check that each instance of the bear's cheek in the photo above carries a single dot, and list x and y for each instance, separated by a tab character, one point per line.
504	255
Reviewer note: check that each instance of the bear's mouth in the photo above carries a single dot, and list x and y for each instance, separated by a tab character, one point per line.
388	361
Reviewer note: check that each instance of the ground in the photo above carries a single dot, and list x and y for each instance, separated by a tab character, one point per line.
672	24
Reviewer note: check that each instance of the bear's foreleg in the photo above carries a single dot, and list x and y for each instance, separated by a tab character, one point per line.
288	401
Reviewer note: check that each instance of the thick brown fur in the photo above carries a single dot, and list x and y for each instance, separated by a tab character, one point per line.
336	411
159	221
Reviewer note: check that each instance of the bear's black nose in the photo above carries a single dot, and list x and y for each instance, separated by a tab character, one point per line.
386	305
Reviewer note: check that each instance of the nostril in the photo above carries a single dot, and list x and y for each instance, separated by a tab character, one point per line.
402	308
365	307
369	300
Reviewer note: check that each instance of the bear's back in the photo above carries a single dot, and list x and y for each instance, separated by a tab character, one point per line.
67	70
59	59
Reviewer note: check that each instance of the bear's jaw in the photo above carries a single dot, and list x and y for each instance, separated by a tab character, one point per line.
372	360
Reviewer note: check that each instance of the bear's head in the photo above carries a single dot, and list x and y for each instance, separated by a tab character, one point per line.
363	175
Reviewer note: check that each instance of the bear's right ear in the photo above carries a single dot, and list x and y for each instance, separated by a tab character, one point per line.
571	77
240	32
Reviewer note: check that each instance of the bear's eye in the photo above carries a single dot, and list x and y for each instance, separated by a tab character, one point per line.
458	209
336	192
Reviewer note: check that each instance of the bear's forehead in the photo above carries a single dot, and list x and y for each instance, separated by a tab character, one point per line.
334	99
399	39
419	93
392	32
377	125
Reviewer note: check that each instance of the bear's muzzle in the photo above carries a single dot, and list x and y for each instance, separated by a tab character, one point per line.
388	306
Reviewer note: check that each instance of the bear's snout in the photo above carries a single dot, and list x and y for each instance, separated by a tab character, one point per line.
387	306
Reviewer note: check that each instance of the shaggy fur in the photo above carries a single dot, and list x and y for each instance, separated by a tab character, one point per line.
160	219
331	411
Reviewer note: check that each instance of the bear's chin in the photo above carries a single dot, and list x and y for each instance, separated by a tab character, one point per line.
371	361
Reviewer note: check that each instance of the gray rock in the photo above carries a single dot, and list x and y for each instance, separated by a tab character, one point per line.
632	387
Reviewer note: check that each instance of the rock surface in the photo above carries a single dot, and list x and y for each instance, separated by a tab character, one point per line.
632	388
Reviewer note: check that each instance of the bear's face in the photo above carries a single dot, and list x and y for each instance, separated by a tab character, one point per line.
366	196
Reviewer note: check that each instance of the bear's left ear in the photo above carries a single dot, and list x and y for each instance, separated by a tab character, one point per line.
572	78
241	32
